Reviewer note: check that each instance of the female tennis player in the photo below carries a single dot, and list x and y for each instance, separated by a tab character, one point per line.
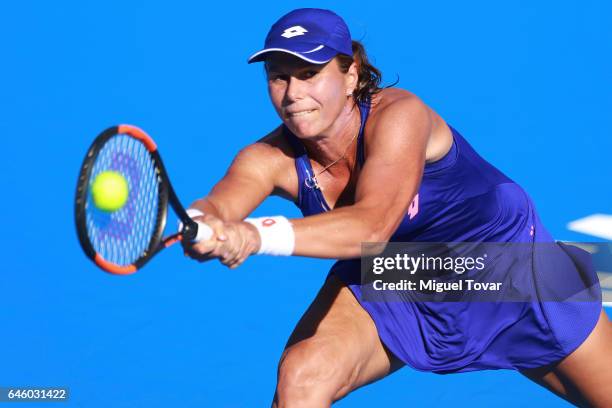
366	164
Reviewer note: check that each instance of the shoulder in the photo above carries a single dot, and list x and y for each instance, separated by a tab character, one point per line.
397	104
398	109
397	115
271	149
270	158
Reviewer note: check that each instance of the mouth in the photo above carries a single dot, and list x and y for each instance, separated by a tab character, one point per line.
299	113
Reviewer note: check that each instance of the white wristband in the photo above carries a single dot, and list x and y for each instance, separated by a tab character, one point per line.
276	234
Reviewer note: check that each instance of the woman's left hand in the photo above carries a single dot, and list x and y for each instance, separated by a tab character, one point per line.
232	242
242	240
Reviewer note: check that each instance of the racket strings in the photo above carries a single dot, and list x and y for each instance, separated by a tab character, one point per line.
123	236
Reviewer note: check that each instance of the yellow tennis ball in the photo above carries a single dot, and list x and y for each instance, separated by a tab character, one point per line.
109	191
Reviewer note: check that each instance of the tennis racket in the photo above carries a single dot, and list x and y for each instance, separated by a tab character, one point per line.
123	241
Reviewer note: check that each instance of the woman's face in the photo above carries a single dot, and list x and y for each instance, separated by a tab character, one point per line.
308	97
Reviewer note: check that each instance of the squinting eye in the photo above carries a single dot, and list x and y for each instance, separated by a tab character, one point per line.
276	78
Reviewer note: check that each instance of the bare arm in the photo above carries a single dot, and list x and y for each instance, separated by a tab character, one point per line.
388	182
248	181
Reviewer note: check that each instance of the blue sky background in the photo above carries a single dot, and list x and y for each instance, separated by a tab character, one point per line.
527	83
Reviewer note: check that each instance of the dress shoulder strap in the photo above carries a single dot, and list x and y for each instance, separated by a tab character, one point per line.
364	109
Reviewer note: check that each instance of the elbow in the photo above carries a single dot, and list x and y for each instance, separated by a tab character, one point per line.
375	231
379	232
376	235
372	242
376	227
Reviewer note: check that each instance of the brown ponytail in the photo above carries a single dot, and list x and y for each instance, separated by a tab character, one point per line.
370	77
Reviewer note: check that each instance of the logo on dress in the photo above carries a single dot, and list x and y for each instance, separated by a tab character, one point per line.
294	31
413	210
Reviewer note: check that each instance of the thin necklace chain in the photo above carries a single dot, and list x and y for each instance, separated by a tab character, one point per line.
313	180
350	143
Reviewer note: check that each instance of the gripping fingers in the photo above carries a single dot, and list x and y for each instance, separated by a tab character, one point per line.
209	239
232	251
228	241
237	249
216	225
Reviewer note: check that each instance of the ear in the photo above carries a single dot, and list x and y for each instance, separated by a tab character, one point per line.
351	78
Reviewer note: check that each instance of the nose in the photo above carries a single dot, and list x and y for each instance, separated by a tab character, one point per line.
295	90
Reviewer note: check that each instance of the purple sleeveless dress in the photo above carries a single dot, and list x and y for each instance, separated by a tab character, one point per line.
462	198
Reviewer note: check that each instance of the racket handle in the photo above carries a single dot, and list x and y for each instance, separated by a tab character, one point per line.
195	230
204	232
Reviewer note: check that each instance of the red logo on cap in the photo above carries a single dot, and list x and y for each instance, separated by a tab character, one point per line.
268	222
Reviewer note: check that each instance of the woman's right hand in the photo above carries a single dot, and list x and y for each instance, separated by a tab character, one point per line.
231	242
208	249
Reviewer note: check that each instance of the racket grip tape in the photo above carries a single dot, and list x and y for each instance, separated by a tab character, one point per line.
204	232
195	231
